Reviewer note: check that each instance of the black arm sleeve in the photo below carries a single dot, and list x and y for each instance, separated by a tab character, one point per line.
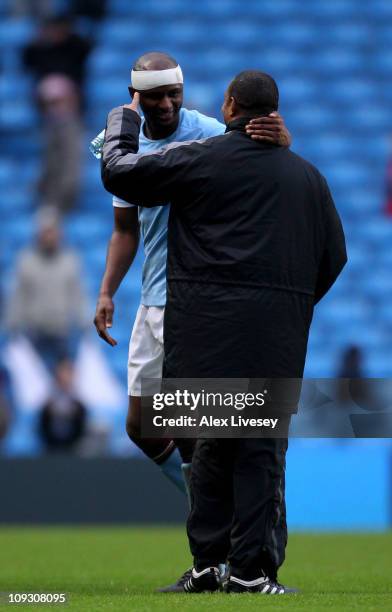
147	179
334	255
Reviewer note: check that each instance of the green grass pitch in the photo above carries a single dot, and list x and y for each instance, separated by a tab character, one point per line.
118	569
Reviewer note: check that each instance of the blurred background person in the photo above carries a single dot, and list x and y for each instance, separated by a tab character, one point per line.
351	365
63	141
58	49
34	8
91	9
5	408
63	418
48	304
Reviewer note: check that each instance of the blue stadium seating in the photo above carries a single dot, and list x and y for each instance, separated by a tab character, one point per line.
378	362
332	60
12	88
105	62
382	61
114	92
351	91
17	115
122	31
333	10
349	33
16	32
380	10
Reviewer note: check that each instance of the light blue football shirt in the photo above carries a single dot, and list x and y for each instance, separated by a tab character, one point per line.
153	221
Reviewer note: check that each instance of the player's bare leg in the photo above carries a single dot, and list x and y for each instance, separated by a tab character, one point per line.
162	451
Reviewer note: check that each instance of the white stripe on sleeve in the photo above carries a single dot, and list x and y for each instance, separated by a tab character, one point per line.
119	203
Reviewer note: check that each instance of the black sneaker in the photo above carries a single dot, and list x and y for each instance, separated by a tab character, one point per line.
263	585
177	587
206	581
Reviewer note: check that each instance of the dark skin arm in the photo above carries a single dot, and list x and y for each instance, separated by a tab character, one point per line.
269	129
121	252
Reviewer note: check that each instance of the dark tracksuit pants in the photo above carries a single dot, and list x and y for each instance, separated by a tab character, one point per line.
238	484
238	510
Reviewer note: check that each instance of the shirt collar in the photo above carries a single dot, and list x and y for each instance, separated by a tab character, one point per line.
238	124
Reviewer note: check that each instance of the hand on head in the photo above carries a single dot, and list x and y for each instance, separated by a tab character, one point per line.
135	102
269	129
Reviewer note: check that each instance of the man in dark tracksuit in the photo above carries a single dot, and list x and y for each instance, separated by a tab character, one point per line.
254	242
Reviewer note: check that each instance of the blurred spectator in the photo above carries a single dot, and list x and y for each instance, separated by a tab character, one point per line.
351	364
32	8
62	421
5	411
93	9
48	304
58	50
351	368
60	178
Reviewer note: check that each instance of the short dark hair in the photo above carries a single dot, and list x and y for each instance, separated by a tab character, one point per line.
255	92
155	60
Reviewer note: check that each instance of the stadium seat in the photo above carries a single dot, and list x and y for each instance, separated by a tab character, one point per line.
348	33
384	36
219	10
20	200
105	61
12	88
246	34
382	61
278	60
378	117
8	171
385	253
321	363
379	10
297	89
85	230
333	10
18	232
383	311
186	33
377	283
351	91
377	230
293	34
359	202
284	9
359	256
16	32
333	144
378	362
340	311
202	97
309	117
347	172
92	172
122	31
17	115
334	62
113	93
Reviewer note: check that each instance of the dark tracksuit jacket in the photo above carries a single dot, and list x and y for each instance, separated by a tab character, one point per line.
254	242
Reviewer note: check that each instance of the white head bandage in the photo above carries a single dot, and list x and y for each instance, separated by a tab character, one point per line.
148	79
